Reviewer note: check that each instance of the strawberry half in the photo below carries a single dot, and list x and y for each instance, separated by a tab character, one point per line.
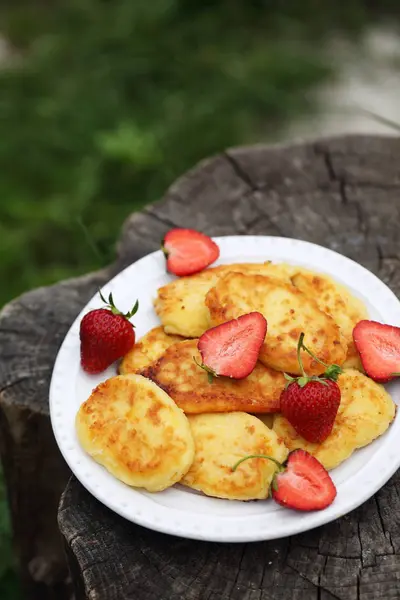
106	335
188	251
379	349
232	349
310	404
302	483
305	484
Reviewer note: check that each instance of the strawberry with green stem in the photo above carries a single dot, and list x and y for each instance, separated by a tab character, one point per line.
311	403
106	335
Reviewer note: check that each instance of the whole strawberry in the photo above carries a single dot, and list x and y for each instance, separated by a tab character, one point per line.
106	335
310	404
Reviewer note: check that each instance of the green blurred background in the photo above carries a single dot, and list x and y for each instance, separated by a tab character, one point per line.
103	104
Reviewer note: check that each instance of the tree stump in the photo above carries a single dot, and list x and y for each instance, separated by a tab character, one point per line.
342	193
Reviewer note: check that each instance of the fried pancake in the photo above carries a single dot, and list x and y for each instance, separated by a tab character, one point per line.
267	419
180	304
147	350
177	374
365	412
336	300
288	312
137	432
220	441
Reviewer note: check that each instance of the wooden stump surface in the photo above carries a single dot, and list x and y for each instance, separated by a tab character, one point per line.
342	193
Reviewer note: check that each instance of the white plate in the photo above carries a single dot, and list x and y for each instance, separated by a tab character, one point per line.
177	510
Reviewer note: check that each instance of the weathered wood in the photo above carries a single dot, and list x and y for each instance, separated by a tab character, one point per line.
341	193
31	330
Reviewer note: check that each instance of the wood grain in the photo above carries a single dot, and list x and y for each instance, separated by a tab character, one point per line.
342	193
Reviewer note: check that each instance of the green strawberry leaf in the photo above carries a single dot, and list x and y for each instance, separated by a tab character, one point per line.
333	372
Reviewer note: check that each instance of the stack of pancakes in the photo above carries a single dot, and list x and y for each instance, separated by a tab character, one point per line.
228	419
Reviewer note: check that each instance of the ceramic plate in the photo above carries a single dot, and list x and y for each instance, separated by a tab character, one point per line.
184	513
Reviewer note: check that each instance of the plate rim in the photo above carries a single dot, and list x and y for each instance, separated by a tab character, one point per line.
304	522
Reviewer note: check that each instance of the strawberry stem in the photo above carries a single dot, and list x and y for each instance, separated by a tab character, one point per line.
164	249
331	371
304	347
300	346
110	305
210	373
279	465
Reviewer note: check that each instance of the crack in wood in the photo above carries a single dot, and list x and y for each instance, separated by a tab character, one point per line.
240	172
362	223
319	596
11	384
342	191
244	548
317	586
385	532
360	540
160	219
380	256
328	163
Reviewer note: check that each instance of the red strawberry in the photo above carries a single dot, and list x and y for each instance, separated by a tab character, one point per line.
379	349
310	404
106	335
232	349
303	484
188	251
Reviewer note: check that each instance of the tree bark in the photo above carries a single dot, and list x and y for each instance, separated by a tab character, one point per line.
342	193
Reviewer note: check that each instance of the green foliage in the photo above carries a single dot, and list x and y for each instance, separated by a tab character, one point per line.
109	101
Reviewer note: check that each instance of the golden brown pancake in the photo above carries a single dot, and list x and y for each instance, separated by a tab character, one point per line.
147	350
177	373
180	304
288	312
365	412
267	419
137	432
220	441
336	300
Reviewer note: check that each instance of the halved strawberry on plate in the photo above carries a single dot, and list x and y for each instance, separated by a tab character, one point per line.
188	251
301	483
232	348
379	348
305	484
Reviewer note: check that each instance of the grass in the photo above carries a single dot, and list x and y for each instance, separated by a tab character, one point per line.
106	103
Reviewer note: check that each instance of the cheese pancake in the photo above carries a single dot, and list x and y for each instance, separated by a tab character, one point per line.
267	419
288	312
147	350
365	412
177	373
137	432
336	300
180	304
220	441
